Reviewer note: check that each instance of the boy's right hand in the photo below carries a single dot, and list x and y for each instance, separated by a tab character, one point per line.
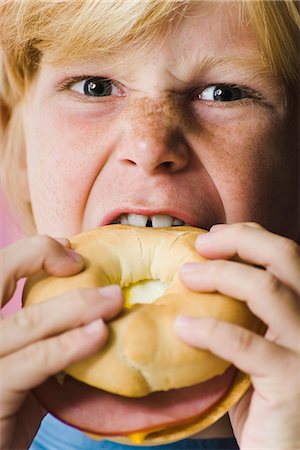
43	339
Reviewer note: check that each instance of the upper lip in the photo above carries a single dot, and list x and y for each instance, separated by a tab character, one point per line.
113	215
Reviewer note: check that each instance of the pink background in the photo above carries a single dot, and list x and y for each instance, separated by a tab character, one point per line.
9	232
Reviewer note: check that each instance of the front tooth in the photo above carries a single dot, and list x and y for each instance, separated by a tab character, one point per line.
178	223
124	219
137	220
161	220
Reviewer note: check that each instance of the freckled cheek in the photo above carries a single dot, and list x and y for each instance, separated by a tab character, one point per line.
71	143
65	154
243	158
80	134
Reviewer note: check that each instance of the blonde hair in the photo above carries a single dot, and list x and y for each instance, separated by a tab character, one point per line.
28	28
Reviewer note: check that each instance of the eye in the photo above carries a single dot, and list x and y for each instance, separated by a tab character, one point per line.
95	87
223	93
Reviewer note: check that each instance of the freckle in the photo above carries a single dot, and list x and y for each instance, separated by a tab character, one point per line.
166	112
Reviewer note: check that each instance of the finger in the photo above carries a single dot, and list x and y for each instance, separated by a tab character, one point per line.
52	317
221	226
249	352
270	300
254	244
28	256
27	368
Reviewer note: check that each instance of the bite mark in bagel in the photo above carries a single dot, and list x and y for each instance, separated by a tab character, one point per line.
143	359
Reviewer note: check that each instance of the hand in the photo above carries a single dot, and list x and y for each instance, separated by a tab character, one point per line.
43	339
268	280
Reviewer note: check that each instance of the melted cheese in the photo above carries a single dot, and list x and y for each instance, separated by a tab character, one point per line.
138	437
96	437
145	291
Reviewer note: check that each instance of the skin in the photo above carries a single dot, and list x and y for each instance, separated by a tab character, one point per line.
160	144
110	153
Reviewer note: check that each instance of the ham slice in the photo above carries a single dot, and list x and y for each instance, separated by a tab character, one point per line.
96	411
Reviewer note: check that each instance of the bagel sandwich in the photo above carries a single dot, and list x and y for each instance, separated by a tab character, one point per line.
145	386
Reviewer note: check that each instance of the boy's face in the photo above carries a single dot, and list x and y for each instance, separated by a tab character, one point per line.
192	126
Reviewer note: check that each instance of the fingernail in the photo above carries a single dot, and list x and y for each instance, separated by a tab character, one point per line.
218	226
74	256
111	291
205	239
189	267
94	327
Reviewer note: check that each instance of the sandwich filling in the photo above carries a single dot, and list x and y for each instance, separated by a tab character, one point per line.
102	413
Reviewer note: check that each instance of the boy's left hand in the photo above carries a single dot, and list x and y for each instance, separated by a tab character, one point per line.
268	280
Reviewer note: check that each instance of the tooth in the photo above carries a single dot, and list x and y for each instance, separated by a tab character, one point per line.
178	223
137	219
161	220
124	219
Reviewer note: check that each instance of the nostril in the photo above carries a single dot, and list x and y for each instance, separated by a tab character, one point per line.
167	165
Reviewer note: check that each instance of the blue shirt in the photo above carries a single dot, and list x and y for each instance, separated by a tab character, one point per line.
55	435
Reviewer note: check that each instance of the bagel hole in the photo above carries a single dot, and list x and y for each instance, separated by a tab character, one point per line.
144	292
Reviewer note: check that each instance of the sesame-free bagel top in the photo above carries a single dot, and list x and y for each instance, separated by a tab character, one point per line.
143	354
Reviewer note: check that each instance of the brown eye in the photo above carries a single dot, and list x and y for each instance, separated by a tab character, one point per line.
97	87
223	93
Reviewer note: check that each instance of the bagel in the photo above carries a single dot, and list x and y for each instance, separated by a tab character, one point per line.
144	371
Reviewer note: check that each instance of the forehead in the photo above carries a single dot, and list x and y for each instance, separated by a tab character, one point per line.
213	34
208	33
85	36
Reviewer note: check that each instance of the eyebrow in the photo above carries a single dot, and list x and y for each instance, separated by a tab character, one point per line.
189	69
249	63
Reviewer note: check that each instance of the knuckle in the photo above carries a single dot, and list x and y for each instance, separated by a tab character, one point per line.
243	227
213	325
28	318
51	354
42	241
36	354
244	341
65	348
239	228
269	284
254	225
290	249
78	298
65	343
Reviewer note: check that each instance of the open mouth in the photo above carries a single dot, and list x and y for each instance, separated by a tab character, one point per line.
154	221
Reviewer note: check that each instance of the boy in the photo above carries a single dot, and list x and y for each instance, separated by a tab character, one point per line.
130	110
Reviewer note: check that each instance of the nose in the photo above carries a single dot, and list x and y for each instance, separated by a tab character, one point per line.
153	139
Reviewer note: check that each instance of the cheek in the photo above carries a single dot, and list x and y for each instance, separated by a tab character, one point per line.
249	163
64	155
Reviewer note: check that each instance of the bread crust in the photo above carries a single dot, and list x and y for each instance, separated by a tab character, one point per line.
143	354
